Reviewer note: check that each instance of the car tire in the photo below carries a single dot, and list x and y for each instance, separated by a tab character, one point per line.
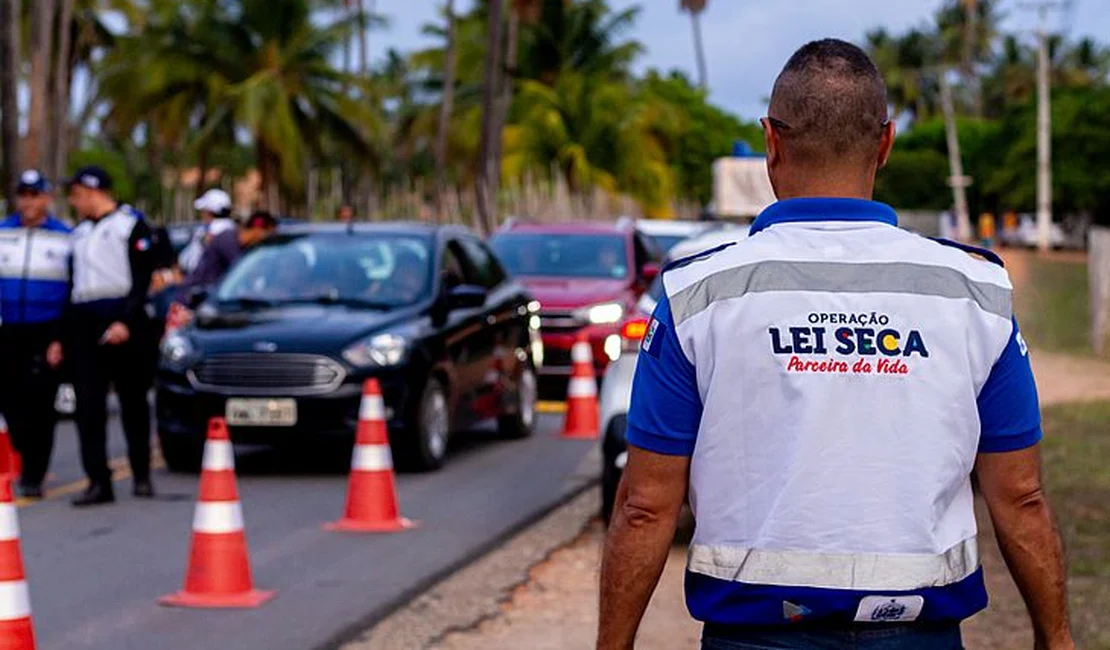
182	455
425	447
520	422
612	447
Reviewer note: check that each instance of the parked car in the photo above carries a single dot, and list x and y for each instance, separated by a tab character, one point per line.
587	279
281	347
616	388
667	233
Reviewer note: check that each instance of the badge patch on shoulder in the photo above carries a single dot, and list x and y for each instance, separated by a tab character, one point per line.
655	329
889	609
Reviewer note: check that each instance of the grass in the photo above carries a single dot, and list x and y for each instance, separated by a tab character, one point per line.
1052	306
1076	447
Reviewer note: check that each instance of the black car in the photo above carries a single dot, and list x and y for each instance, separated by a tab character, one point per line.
282	346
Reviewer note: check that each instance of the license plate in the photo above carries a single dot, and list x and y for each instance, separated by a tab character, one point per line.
261	412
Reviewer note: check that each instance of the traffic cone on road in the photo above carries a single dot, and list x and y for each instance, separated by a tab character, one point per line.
219	572
16	629
582	413
371	493
10	462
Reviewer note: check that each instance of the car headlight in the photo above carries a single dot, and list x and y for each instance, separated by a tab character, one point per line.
381	350
604	314
177	350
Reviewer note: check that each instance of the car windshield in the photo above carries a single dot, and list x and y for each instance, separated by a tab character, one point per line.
373	271
667	242
563	255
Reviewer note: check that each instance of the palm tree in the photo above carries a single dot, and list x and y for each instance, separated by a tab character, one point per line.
967	30
908	66
446	106
583	37
42	21
9	109
695	7
488	176
58	143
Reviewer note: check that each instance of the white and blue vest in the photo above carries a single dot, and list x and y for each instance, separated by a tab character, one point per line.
833	378
34	271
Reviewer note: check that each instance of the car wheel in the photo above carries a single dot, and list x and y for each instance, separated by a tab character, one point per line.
182	455
521	422
425	448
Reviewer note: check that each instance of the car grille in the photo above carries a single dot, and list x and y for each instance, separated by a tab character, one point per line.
266	374
560	321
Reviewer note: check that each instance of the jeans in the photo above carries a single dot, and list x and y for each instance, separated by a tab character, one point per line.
847	637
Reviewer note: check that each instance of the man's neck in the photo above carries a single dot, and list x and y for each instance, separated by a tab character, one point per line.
28	221
824	185
104	210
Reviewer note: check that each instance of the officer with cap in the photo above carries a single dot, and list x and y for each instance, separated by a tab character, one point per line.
34	288
108	330
214	207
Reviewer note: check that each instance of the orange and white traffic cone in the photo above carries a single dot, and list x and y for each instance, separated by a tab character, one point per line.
16	630
371	493
582	417
219	572
11	464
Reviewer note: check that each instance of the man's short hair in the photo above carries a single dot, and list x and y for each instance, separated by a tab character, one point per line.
829	103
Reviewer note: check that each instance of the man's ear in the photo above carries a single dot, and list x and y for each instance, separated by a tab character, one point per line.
886	144
772	142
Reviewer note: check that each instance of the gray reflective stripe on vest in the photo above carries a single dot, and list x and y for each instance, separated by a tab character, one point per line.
864	571
839	277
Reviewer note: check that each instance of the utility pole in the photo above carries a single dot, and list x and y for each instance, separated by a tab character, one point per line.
958	181
1044	122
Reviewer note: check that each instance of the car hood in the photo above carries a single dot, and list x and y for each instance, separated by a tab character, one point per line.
295	328
571	293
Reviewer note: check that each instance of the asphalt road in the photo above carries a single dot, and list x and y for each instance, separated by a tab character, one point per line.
95	574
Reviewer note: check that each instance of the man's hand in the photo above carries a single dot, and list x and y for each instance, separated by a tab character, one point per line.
54	356
116	334
1027	536
649	501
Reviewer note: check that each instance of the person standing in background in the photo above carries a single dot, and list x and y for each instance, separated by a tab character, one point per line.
345	214
214	208
108	335
35	249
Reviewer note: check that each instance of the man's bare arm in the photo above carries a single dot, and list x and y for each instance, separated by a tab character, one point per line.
649	501
1012	486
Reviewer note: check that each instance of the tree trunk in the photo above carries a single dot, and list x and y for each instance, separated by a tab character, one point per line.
9	109
505	101
486	188
699	50
446	106
202	171
1098	269
364	38
42	19
62	79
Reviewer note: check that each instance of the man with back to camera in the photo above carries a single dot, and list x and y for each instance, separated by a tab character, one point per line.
34	288
108	338
824	392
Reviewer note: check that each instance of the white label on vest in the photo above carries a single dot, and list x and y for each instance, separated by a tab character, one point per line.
889	609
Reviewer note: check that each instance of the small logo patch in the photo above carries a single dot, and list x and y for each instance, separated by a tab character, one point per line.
1021	345
142	245
794	613
889	609
649	337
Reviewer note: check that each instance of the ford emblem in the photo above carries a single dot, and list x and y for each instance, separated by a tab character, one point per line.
265	346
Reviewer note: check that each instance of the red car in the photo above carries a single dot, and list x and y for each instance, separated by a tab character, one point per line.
587	278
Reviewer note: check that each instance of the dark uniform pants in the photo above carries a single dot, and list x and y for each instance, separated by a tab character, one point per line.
28	389
126	367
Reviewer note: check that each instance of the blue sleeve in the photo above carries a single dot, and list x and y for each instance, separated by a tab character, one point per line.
666	406
1009	412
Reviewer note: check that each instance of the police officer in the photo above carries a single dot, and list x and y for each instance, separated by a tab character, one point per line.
823	392
34	288
108	334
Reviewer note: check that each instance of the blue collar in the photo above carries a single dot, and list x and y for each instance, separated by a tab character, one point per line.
824	209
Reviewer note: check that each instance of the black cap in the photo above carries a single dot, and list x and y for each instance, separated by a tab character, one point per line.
32	180
92	177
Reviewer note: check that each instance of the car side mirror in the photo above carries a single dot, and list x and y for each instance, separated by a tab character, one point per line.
195	297
650	271
466	296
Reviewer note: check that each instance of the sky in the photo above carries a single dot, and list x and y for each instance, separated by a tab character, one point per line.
748	41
